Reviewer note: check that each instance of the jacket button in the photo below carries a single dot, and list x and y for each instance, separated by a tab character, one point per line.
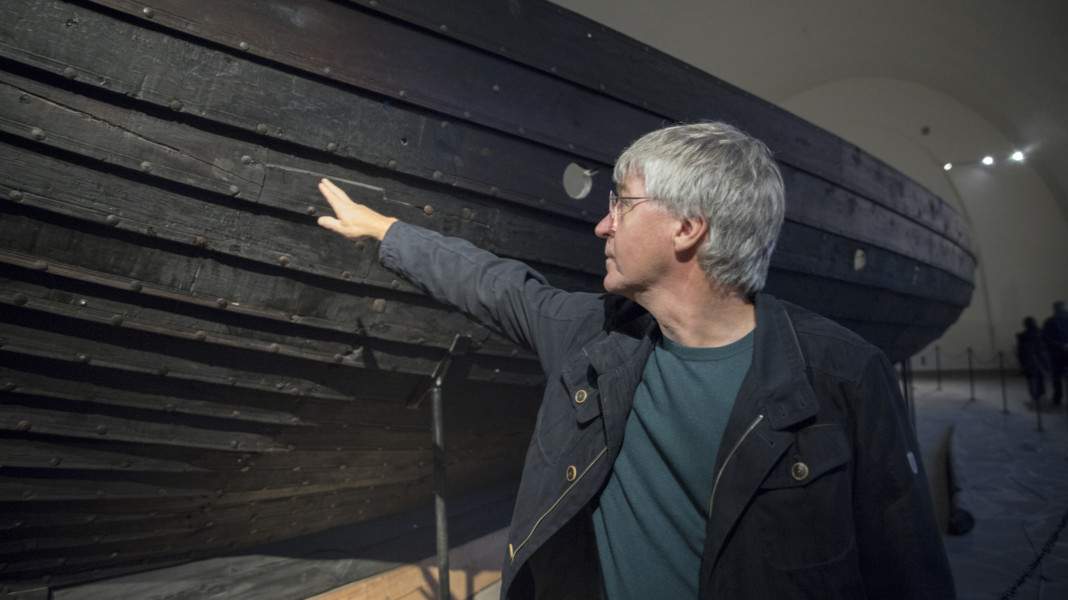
572	473
799	471
580	396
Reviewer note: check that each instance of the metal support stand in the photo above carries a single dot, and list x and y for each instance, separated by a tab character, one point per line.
434	387
1001	372
971	377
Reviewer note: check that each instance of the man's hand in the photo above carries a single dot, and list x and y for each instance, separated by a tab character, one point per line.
352	220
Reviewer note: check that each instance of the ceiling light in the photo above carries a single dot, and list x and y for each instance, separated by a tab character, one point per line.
947	166
988	160
1018	156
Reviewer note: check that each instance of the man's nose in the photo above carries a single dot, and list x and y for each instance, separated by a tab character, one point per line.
604	228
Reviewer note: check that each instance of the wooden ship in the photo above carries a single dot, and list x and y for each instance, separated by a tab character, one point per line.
190	366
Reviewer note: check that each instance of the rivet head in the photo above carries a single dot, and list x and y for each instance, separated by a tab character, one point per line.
148	12
20	299
162	371
799	471
177	105
274	348
331	147
169	407
466	214
200	241
394	284
346	275
428	210
23	426
82	357
37	133
379	305
15	195
234	190
146	166
438	175
56	461
572	473
496	88
101	430
261	128
135	286
246	160
200	336
310	210
112	220
116	320
283	260
70	73
243	45
392	164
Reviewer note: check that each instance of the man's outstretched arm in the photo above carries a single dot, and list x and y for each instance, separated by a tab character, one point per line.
352	220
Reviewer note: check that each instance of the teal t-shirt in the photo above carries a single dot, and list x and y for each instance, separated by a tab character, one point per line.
650	521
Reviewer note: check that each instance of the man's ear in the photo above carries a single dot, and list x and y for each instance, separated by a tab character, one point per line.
690	233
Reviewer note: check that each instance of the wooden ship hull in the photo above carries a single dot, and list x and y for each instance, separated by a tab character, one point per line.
190	366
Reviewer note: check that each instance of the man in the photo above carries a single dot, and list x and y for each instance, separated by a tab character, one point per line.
1055	334
696	438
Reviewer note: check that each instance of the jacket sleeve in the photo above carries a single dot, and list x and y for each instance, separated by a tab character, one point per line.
504	295
900	546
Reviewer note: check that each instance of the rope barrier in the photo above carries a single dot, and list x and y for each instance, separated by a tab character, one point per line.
1030	570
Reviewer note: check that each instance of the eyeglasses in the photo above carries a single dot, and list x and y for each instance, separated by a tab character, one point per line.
616	207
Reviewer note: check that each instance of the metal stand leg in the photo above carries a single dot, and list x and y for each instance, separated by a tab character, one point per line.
439	491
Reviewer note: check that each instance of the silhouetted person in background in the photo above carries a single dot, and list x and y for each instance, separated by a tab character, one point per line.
1055	332
1034	358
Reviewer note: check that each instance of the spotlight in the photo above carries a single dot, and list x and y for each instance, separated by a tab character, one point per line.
1018	156
947	166
988	160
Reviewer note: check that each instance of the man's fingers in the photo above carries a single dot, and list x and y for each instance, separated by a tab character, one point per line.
338	199
330	223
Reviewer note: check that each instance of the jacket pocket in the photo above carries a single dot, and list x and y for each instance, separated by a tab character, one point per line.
570	405
804	507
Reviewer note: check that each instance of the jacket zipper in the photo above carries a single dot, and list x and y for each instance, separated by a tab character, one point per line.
513	551
727	461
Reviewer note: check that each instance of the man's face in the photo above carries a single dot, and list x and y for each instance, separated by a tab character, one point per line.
638	246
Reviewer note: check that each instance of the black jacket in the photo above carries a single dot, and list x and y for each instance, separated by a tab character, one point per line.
818	487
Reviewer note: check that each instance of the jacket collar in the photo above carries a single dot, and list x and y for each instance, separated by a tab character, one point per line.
777	379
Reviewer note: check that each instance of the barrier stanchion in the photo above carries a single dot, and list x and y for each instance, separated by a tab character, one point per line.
971	377
1001	372
938	368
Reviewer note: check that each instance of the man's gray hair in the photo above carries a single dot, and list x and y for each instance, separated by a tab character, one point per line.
716	171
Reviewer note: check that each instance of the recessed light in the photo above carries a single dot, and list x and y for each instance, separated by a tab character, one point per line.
947	166
1018	156
988	160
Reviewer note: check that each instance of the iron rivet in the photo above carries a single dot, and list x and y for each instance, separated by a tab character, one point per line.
234	444
243	45
56	461
346	275
379	305
467	114
274	348
466	214
428	210
494	191
444	124
8	386
135	286
327	70
116	320
232	380
295	318
37	133
23	426
169	407
360	245
70	73
496	88
176	105
200	241
331	147
200	336
234	190
402	93
261	128
246	160
101	430
146	166
394	284
82	357
392	164
148	12
444	28
338	358
570	146
112	220
437	175
20	299
310	210
522	130
163	371
15	195
283	260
